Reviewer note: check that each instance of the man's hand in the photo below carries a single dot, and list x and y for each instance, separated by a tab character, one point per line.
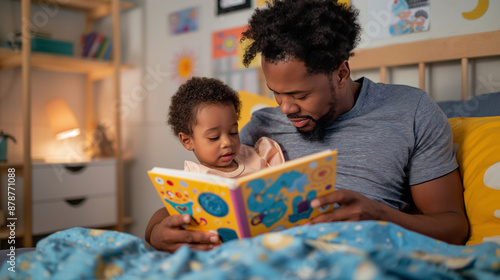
439	203
169	235
353	207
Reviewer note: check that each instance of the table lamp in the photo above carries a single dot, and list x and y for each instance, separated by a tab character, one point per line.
61	119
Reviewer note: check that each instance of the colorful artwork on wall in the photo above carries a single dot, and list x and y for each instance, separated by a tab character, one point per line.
347	2
227	56
262	3
184	65
397	17
227	43
478	11
183	21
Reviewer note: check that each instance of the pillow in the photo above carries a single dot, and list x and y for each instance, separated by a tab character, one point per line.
250	103
484	105
477	147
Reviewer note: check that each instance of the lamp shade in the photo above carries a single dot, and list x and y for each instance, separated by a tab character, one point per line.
61	119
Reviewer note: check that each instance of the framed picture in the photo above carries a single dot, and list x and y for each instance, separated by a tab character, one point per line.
183	21
227	6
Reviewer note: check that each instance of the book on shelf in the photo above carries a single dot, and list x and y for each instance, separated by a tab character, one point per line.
51	46
109	49
41	41
96	45
88	41
270	199
39	33
100	53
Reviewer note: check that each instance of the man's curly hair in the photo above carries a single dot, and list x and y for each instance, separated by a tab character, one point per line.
192	96
320	33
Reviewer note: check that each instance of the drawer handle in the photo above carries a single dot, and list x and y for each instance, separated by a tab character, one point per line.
75	168
76	201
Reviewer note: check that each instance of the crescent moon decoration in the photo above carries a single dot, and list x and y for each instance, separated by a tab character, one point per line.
479	10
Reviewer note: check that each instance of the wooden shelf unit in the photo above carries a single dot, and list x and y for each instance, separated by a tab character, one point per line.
92	69
94	9
97	69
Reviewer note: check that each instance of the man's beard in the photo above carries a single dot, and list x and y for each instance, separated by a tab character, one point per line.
317	133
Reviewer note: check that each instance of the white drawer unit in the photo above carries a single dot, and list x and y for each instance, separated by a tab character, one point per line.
71	195
89	212
57	181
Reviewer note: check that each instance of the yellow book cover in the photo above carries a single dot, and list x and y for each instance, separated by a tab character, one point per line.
271	199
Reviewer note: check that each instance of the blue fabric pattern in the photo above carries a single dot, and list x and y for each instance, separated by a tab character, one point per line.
343	250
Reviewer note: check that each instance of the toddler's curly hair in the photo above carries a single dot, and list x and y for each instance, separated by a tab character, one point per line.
320	33
192	95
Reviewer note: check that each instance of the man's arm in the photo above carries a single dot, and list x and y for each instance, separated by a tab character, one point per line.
440	202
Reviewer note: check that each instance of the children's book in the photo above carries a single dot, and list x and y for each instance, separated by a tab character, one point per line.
108	51
102	48
94	48
270	199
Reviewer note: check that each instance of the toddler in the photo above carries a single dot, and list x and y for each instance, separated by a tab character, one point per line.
204	115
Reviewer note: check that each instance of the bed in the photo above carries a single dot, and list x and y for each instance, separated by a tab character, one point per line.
345	250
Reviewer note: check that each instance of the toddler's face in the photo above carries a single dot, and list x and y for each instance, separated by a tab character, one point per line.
215	140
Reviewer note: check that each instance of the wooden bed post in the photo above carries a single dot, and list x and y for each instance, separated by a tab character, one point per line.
421	75
116	60
383	74
465	84
26	77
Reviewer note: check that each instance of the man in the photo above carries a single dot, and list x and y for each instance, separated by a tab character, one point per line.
395	161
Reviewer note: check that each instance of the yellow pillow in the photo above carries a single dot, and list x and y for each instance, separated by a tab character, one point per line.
250	103
477	144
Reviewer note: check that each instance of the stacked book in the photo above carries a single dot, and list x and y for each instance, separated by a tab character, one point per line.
97	46
41	41
38	33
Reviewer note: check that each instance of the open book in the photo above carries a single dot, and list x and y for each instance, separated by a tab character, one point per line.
270	199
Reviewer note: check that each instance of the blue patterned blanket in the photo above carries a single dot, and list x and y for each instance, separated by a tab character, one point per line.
350	250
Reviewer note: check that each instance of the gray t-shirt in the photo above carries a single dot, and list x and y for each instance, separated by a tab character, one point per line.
394	137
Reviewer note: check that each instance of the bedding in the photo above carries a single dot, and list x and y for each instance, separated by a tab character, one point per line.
476	131
345	250
484	105
478	156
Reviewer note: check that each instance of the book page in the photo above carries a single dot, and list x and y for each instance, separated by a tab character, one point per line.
279	197
228	182
207	201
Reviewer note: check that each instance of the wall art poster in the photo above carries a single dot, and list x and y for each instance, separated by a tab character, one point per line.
227	56
183	21
389	18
